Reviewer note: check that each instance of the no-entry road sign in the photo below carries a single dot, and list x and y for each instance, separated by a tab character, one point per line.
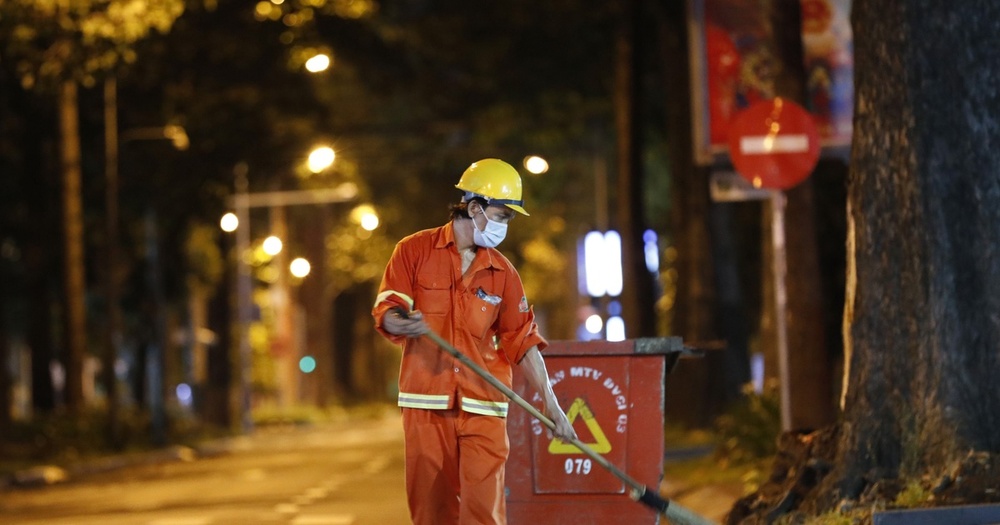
774	144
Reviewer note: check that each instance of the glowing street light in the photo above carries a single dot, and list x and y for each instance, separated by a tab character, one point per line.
300	267
536	165
272	246
172	132
365	215
369	221
229	222
318	63
321	158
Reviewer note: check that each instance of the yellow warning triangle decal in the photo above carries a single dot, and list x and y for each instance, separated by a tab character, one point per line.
601	444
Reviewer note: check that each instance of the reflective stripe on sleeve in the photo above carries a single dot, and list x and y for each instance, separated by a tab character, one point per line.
388	293
486	408
425	401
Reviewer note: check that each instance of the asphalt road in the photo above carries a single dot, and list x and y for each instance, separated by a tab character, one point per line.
342	474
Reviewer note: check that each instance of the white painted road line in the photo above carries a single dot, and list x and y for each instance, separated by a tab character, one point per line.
324	519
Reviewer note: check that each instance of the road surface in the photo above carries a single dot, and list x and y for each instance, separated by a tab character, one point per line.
338	474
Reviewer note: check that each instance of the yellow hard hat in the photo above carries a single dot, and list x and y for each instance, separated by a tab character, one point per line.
495	181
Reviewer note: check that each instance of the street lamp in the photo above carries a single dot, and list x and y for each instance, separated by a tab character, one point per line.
174	133
318	63
300	267
272	245
364	215
536	165
321	158
369	221
229	222
243	201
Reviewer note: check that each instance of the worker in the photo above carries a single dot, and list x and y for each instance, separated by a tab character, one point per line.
452	280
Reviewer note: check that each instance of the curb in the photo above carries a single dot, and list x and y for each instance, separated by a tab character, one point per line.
46	475
959	515
40	475
675	454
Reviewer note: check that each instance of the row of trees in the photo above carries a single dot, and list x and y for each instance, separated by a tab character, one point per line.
414	93
50	49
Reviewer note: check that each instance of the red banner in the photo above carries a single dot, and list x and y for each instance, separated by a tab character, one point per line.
735	65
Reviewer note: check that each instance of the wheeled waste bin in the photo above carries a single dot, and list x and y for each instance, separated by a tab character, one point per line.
613	392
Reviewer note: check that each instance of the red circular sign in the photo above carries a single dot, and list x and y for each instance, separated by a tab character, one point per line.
774	144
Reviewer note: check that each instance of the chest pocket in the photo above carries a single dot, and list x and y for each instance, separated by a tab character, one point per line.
482	309
433	294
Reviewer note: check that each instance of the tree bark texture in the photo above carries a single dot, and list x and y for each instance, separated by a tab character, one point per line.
922	317
220	370
75	285
43	394
112	332
5	378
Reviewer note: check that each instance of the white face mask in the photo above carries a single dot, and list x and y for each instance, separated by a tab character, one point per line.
491	235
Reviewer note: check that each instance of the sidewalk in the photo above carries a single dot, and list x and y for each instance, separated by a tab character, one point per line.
688	484
709	501
49	474
44	474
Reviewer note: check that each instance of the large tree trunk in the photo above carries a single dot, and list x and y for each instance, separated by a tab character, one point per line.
43	394
216	409
113	328
5	379
156	349
922	319
75	285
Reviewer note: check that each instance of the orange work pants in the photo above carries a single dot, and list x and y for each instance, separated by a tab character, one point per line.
454	467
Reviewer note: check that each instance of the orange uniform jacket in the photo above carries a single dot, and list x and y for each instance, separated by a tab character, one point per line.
425	273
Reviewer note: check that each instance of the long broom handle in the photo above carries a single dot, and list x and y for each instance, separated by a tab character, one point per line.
674	512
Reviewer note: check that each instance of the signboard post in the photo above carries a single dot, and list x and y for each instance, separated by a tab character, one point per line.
774	145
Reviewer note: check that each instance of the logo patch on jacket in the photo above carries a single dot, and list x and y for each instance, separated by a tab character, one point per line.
523	305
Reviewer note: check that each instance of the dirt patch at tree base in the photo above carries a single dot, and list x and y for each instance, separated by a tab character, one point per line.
801	486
